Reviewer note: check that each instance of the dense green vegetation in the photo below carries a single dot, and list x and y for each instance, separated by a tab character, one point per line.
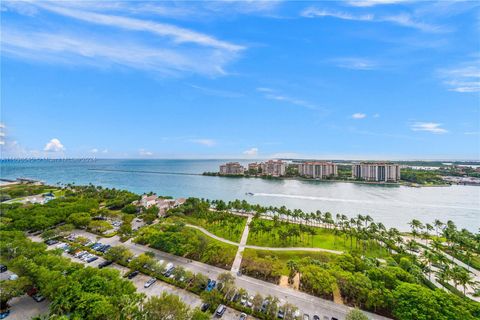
22	190
72	289
363	282
187	242
424	177
220	223
276	233
397	287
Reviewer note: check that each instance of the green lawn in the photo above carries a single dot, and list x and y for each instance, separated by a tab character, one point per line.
323	238
228	229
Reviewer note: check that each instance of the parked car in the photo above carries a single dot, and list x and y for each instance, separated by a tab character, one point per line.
91	259
104	264
250	302
243	316
280	314
306	316
4	314
220	310
38	297
13	277
169	272
51	242
264	305
315	317
205	307
211	284
149	282
3	268
236	297
133	274
243	300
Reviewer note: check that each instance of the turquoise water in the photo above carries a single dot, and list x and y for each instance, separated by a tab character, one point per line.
392	205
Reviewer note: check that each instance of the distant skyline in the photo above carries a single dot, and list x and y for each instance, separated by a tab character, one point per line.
367	79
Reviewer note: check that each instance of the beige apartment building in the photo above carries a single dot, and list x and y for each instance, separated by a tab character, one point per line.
275	168
376	171
232	168
317	169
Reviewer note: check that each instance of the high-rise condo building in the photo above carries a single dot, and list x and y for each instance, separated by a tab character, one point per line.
317	169
376	171
232	168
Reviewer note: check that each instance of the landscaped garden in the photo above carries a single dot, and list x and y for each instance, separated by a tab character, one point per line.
275	233
221	224
183	241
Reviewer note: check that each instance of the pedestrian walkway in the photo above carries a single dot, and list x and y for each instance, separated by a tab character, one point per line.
243	241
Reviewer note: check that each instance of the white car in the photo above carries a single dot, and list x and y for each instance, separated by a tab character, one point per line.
150	282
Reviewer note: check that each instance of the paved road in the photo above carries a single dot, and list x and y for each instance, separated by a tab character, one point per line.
305	302
157	288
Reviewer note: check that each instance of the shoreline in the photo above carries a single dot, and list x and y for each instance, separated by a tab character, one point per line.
389	184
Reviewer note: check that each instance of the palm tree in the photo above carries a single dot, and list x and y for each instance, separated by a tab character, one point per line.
465	278
415	225
438	225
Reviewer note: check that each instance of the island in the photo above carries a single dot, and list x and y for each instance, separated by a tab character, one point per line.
407	173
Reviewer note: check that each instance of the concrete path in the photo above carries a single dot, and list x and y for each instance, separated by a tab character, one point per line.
211	235
243	241
242	245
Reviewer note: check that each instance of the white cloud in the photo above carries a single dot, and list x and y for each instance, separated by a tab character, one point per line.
355	63
105	151
432	127
178	35
472	133
83	50
54	145
404	20
376	115
94	150
462	78
251	152
313	12
145	153
274	95
359	115
163	48
204	142
371	3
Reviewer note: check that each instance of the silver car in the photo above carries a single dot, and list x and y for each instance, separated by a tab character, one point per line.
150	282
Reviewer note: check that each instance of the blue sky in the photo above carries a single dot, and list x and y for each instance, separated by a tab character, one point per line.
383	79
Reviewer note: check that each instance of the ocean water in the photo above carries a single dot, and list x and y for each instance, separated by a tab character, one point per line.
394	206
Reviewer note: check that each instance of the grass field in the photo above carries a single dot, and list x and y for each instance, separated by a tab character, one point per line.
323	238
231	229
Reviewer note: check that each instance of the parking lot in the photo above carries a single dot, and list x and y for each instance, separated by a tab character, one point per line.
158	287
24	307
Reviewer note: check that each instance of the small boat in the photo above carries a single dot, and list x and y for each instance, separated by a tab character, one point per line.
249	193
